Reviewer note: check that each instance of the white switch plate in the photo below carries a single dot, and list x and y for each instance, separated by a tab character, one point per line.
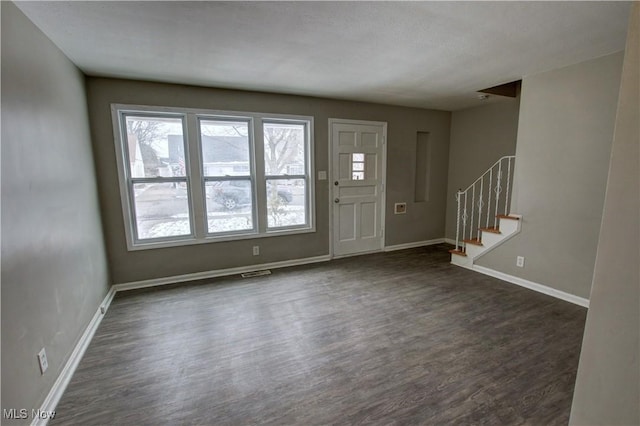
42	360
256	250
520	261
322	175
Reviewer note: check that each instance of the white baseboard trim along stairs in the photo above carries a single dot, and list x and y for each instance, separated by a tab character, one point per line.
471	250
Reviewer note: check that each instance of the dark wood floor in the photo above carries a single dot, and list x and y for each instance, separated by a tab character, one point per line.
389	338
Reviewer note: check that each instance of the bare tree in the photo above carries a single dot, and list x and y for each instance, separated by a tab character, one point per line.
146	131
282	147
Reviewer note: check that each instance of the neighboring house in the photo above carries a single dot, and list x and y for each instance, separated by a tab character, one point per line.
222	155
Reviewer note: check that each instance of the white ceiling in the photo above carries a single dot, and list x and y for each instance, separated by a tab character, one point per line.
423	54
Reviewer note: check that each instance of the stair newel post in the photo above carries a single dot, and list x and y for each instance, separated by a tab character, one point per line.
458	220
506	197
489	196
498	191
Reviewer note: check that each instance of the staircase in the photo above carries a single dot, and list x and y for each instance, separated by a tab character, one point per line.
484	220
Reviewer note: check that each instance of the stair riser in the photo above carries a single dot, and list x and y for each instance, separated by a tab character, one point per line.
461	261
490	239
508	226
473	250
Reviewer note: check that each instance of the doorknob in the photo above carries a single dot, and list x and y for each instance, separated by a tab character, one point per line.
337	200
336	183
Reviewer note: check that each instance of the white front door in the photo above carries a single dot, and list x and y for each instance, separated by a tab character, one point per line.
357	185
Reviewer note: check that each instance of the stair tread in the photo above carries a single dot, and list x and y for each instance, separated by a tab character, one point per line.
458	252
506	216
491	229
474	241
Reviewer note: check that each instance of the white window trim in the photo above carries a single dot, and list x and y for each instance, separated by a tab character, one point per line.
195	178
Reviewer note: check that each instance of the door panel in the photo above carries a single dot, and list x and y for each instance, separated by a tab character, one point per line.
368	219
357	186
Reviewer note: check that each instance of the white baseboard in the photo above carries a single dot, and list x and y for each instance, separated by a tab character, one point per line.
414	244
540	288
61	383
450	241
217	273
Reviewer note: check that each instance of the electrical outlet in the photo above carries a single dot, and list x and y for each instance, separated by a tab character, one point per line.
520	261
42	360
256	250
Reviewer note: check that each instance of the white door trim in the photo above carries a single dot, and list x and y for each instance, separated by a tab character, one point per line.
333	121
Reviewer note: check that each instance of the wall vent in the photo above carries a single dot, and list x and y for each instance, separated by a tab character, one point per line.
256	273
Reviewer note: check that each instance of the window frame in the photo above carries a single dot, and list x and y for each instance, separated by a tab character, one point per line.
196	180
306	177
228	178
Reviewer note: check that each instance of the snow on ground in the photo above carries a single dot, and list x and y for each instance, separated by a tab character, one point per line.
217	222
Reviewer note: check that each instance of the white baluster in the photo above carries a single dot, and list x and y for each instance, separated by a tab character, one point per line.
464	217
458	221
473	200
506	198
480	204
489	196
498	191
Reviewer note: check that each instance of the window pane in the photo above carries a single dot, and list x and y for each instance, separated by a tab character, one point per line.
225	148
229	206
284	149
162	209
286	202
155	146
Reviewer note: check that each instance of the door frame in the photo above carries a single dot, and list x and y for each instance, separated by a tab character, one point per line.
383	176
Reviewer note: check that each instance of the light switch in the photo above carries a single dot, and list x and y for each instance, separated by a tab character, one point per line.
322	175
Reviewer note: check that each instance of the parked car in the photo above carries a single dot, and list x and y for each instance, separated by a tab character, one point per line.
233	194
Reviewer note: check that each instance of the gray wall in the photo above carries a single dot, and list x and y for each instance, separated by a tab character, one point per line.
479	137
607	386
54	269
562	158
423	221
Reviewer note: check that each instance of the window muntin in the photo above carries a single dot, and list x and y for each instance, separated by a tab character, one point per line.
238	187
357	166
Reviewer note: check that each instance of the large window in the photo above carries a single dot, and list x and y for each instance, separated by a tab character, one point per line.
191	176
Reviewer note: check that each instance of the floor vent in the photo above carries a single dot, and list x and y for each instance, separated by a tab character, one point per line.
256	273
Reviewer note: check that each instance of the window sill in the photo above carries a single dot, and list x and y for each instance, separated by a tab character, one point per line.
188	241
